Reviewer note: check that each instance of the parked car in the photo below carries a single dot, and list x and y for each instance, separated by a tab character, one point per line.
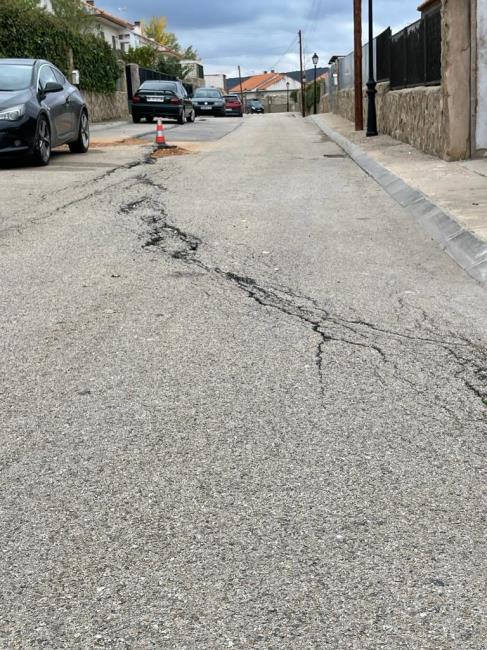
167	99
39	110
233	105
209	101
255	106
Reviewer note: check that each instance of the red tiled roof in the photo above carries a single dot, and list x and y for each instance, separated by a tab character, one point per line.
259	82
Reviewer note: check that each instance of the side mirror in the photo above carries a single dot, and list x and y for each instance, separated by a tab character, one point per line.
52	87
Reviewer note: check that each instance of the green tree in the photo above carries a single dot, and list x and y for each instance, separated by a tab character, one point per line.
191	54
310	95
145	56
74	14
171	66
26	5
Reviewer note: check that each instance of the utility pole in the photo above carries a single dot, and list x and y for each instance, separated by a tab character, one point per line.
303	107
359	103
241	89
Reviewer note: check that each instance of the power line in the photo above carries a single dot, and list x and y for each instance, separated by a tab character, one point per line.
289	48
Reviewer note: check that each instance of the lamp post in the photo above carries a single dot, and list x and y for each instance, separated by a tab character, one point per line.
315	60
371	83
287	94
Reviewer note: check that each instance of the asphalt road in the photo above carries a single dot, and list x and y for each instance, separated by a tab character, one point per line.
243	406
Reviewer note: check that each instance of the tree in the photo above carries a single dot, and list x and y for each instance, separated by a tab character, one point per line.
156	28
146	56
26	5
191	54
74	14
171	66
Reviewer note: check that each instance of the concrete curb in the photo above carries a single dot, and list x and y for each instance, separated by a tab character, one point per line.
463	246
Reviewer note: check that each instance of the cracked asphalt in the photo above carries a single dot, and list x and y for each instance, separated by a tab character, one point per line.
243	405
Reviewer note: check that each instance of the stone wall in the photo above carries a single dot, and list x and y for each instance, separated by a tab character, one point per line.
412	115
107	106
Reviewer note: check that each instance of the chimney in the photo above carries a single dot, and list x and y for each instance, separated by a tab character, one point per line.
90	2
265	71
137	23
273	71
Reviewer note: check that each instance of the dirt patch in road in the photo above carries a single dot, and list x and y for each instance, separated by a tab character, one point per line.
173	151
116	143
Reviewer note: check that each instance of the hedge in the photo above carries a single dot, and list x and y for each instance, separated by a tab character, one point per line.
36	34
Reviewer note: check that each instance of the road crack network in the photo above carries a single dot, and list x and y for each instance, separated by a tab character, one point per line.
469	360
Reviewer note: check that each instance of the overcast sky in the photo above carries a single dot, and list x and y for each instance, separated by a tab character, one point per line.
262	34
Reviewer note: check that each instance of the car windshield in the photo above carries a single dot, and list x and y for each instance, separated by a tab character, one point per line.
159	85
202	92
232	98
15	77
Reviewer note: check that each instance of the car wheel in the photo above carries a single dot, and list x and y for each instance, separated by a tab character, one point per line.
192	117
182	117
42	143
135	119
82	142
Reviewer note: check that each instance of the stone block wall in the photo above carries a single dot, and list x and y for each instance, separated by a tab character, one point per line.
412	115
107	106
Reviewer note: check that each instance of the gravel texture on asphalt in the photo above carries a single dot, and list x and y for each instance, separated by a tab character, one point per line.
244	405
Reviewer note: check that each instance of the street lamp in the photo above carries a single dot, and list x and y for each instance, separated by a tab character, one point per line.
371	83
315	60
287	94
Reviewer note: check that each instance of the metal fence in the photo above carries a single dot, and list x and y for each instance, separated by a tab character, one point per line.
412	57
383	48
415	53
346	71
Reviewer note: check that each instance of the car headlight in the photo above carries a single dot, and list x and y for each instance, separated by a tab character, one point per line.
219	103
12	114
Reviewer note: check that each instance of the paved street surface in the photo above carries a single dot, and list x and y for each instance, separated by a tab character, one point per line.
243	406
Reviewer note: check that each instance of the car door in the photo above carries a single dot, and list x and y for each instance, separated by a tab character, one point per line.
54	103
70	118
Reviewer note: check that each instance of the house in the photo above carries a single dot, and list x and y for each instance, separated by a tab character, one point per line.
272	88
116	31
216	81
196	73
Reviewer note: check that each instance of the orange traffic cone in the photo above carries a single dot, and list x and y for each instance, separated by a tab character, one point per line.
160	138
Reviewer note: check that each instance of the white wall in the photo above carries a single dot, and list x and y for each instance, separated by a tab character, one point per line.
481	123
215	81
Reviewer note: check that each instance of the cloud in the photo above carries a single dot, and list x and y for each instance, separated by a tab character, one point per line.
262	34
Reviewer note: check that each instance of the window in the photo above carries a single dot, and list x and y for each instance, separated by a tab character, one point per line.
15	77
114	42
60	78
46	75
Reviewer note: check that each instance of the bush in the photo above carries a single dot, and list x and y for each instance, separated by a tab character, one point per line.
33	33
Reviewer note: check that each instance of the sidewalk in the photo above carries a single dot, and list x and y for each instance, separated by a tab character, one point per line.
448	199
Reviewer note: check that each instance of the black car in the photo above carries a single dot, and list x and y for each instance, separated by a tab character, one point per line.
255	106
167	99
39	110
209	101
